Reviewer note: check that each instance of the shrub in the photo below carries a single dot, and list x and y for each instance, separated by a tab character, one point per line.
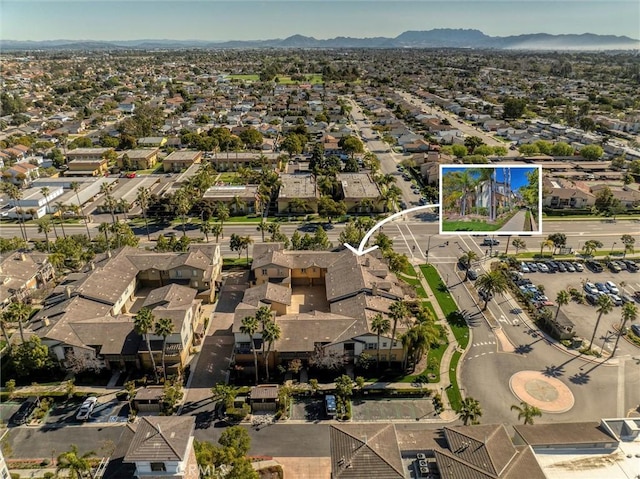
49	475
15	475
238	413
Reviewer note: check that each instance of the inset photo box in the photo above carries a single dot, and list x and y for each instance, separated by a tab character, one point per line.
491	199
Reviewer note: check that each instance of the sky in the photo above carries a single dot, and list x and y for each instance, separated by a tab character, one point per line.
518	175
216	20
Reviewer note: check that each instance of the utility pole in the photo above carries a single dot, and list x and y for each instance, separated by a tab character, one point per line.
428	247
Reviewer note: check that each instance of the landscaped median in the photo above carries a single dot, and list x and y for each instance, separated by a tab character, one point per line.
457	325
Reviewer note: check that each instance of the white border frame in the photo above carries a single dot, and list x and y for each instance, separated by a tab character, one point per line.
491	233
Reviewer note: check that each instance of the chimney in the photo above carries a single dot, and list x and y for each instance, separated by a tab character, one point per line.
109	254
374	289
67	291
23	257
92	265
158	428
45	321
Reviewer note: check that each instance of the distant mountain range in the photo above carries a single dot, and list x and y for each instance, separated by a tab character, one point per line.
437	38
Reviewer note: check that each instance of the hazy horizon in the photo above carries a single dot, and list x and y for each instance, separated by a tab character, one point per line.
218	21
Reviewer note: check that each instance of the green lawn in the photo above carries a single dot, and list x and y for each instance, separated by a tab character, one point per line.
232	178
440	290
468	226
241	261
429	306
243	77
453	392
243	219
433	365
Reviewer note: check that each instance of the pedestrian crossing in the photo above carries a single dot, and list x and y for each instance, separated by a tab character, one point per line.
483	343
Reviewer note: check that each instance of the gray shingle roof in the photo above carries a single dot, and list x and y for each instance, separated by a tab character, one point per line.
161	438
267	293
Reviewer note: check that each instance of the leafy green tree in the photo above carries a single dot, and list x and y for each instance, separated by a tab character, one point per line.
526	412
590	247
529	149
30	356
562	298
562	149
344	387
470	411
292	144
143	323
559	240
18	312
252	138
351	145
473	142
216	230
605	200
236	438
591	152
398	262
514	108
628	241
518	244
459	150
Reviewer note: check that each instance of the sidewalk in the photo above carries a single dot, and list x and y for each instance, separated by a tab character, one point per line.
516	223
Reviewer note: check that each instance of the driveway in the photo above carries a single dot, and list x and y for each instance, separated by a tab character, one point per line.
217	348
64	414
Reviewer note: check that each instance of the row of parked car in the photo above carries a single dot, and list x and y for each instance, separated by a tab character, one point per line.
528	289
552	267
595	290
21	416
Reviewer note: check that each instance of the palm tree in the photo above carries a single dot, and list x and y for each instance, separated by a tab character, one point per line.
562	298
518	244
15	194
216	230
205	227
61	208
380	325
629	313
605	305
164	327
246	241
142	198
125	206
222	212
297	205
365	205
4	320
110	203
391	197
75	187
418	341
526	412
183	205
466	259
18	312
45	192
237	204
104	228
590	247
398	311
470	411
250	326
143	322
262	227
490	284
44	226
75	464
270	334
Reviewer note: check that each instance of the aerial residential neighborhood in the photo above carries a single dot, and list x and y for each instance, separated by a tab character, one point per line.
342	255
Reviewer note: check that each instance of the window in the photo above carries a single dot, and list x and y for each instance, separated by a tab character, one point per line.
264	271
371	345
158	466
194	273
384	344
179	273
303	270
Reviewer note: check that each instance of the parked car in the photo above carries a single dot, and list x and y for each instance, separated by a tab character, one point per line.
87	407
594	266
636	329
590	288
626	298
621	264
533	267
569	267
578	267
473	274
21	416
524	268
613	267
592	298
615	299
602	287
611	286
561	267
543	268
553	266
631	266
330	406
636	296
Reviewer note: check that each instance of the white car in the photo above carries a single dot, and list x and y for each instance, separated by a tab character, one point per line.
524	268
543	268
611	286
87	406
590	288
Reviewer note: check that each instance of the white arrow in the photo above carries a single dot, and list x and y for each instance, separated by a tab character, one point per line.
360	251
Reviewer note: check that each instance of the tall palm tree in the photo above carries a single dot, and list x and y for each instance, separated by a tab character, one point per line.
205	227
605	305
490	284
250	326
222	212
629	313
263	315
466	184
237	204
270	334
262	227
562	298
470	411
518	244
143	323
297	205
4	320
44	226
398	311
163	327
15	194
466	259
76	465
418	341
526	412
380	325
183	205
125	206
18	312
61	208
546	244
142	198
246	242
104	229
75	187
110	203
216	230
45	192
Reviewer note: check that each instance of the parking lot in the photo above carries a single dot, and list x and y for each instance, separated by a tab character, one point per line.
584	315
110	411
312	409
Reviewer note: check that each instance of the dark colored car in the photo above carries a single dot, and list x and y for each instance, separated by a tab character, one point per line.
631	266
330	405
490	242
553	266
613	267
26	408
562	268
591	298
594	266
473	274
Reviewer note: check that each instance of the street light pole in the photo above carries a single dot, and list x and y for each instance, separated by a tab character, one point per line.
612	246
428	247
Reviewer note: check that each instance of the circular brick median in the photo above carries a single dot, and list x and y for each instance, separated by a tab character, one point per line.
546	393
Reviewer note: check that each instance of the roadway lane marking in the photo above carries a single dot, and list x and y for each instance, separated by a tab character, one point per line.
620	398
405	239
415	241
